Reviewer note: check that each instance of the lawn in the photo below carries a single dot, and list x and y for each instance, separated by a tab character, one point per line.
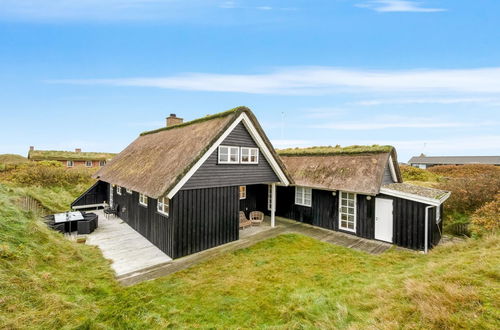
290	281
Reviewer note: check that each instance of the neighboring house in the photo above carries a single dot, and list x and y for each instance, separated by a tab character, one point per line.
182	186
70	159
358	190
424	161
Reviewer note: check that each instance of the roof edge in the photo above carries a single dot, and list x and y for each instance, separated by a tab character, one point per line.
329	151
236	110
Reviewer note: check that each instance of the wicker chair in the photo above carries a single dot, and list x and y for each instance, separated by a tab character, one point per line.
244	222
256	217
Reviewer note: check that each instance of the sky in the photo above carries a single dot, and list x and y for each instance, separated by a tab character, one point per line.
423	76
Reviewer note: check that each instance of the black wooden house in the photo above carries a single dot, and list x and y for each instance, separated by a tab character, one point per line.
180	186
358	190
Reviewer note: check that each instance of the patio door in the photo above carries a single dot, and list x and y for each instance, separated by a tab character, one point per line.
383	219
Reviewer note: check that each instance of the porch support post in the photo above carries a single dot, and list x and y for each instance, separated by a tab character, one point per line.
273	204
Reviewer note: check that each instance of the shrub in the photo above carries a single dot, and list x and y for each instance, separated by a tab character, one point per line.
470	193
47	174
462	171
411	173
487	218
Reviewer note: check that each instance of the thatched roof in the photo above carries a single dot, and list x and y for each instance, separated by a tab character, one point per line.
357	169
426	192
157	160
68	155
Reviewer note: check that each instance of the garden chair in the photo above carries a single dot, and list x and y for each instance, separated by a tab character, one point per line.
244	222
256	217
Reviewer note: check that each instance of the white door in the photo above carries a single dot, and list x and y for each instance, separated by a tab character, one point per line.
383	219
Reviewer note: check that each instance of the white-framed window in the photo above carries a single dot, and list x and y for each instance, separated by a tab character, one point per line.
118	190
249	155
347	211
243	192
143	200
102	162
229	155
128	191
163	205
269	197
303	196
88	163
70	163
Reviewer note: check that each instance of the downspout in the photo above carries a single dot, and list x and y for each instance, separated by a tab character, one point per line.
426	235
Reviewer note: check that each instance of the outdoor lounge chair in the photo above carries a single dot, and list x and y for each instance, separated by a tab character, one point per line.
256	217
111	211
244	222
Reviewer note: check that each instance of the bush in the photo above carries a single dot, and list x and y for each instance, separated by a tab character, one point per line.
487	218
462	171
470	193
47	174
411	173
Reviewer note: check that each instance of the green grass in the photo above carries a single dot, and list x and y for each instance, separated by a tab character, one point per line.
68	155
290	281
333	151
12	159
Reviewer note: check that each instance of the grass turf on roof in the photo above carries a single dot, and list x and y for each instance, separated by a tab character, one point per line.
334	151
199	120
69	155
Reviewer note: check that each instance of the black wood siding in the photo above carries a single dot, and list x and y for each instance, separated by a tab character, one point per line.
155	227
409	224
96	194
256	199
205	218
324	211
212	174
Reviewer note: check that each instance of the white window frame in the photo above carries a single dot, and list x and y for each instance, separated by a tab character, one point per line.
128	191
269	197
70	163
250	151
244	190
229	149
87	162
102	163
348	214
300	194
163	206
119	190
143	200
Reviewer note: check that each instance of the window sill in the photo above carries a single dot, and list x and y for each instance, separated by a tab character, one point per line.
162	214
143	205
303	205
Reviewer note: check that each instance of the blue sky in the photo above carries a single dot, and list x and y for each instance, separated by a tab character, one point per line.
423	76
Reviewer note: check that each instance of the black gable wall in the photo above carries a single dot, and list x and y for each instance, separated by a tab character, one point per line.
212	174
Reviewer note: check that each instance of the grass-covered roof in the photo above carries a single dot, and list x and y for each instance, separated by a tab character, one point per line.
198	120
336	150
68	155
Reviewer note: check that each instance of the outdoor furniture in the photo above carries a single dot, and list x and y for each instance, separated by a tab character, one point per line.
59	227
111	211
244	222
88	225
256	218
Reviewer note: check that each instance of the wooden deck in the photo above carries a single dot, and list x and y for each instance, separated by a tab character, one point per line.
283	226
128	250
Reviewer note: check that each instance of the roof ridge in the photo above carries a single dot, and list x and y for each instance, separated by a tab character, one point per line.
238	109
336	150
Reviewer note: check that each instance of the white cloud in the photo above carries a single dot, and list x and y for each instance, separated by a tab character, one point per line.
424	100
319	80
398	6
401	123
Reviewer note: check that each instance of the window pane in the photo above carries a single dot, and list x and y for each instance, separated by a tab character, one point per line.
350	225
343	224
234	155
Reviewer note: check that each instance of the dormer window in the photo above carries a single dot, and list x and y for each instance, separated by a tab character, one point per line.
249	155
229	155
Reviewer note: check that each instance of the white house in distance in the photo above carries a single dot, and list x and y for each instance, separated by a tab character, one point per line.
424	161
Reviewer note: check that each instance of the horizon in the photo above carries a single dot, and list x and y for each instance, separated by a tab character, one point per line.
422	76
